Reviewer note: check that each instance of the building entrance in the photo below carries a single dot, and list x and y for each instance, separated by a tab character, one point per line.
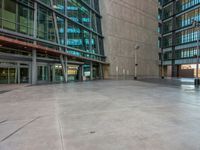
8	75
24	75
12	73
188	71
43	73
73	72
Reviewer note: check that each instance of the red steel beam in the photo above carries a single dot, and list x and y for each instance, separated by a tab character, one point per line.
25	45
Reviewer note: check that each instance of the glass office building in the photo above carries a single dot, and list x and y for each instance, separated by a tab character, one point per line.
50	41
178	37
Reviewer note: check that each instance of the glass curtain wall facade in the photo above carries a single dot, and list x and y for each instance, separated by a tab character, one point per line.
178	37
70	27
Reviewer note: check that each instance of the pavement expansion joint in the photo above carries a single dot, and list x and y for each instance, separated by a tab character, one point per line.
3	121
4	91
20	128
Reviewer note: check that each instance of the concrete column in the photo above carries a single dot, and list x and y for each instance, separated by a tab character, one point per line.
100	71
49	73
63	61
18	73
66	68
34	53
16	76
53	73
80	75
43	75
9	75
91	71
35	21
34	67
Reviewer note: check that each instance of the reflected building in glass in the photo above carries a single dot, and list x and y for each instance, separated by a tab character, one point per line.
50	41
178	37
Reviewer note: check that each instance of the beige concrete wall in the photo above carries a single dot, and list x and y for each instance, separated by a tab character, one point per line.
127	23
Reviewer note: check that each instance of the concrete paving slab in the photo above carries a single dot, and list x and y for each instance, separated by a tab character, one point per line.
101	115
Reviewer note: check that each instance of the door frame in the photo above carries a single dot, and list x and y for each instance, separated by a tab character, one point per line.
18	64
48	65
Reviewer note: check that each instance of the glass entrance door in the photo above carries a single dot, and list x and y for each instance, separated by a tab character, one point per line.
43	73
12	75
24	75
14	72
3	75
8	75
72	72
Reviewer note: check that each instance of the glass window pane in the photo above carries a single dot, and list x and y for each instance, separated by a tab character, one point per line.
9	15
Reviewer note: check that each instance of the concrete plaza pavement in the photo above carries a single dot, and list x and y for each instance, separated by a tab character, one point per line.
101	115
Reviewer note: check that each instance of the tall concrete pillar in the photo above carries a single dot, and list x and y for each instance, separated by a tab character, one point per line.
34	52
53	73
100	71
66	68
34	67
91	71
18	73
63	60
49	73
80	75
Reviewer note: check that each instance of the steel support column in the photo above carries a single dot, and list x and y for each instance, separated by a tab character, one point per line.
100	71
53	73
91	70
18	73
196	25
63	59
162	52
80	75
174	67
34	67
64	67
34	52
